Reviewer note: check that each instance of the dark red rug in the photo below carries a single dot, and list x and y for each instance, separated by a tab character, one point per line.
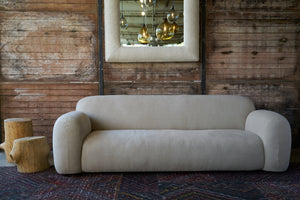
180	185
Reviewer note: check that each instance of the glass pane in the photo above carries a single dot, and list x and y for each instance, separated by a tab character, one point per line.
151	22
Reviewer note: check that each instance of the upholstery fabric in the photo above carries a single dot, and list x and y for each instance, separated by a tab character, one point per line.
68	133
170	133
275	132
171	150
184	112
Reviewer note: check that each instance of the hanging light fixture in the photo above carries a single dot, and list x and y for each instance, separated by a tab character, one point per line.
149	3
164	31
144	36
153	39
123	21
142	3
172	15
175	27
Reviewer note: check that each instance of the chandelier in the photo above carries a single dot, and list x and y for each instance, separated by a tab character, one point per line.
152	33
123	21
167	29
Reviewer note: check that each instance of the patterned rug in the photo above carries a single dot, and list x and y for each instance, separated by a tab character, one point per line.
180	185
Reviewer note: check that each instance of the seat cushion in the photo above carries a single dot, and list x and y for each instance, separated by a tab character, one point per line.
171	150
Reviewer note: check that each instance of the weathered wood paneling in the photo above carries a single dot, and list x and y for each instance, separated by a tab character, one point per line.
42	102
153	88
282	97
49	5
253	50
152	78
48	56
254	5
152	72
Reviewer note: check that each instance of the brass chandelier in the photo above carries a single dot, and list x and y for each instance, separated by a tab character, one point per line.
164	31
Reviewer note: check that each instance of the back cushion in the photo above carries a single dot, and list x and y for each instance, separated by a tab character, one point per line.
188	112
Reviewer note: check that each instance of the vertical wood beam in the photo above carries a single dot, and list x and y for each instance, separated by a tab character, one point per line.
100	47
203	46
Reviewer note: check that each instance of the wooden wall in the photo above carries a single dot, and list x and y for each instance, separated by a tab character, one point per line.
253	49
152	78
48	58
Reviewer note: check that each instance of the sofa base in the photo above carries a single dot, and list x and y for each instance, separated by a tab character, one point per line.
171	150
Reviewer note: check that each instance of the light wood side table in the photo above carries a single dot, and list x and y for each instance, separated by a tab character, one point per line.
31	154
15	128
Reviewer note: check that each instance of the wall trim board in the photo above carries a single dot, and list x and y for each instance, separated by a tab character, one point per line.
203	47
100	47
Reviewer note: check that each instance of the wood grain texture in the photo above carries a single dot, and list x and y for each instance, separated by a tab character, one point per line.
48	59
15	128
152	78
153	88
50	6
42	102
31	154
150	72
253	50
253	5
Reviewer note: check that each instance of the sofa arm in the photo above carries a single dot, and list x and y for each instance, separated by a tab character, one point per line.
275	133
69	132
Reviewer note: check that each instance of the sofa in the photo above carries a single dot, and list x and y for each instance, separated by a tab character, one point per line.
148	133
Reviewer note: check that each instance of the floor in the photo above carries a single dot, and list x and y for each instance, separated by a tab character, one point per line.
295	157
3	162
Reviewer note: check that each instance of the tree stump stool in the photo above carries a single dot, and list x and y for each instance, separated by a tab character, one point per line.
15	128
31	154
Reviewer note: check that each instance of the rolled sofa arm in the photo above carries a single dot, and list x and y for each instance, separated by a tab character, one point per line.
69	131
275	133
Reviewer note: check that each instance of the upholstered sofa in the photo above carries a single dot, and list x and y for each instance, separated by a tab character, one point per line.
125	133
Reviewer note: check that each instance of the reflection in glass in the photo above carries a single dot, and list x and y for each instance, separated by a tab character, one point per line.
175	27
149	3
123	22
164	31
150	17
173	15
144	36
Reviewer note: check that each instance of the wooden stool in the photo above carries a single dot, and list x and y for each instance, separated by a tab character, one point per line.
31	154
15	128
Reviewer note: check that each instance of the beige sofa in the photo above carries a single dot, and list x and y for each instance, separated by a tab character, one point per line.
125	133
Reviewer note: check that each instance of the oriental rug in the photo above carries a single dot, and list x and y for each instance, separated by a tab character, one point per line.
171	185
